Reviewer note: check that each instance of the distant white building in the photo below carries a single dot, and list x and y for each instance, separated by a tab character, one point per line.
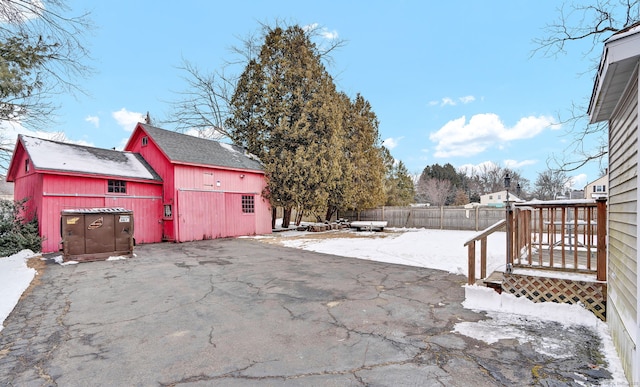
597	188
497	199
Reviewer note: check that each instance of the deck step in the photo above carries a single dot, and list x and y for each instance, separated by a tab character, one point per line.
494	281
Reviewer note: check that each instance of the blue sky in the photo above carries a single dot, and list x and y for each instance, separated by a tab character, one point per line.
450	81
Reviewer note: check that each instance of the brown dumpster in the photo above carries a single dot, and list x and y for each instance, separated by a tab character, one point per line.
92	234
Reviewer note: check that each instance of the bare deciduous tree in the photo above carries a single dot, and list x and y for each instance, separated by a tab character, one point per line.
203	105
434	190
592	21
43	55
551	183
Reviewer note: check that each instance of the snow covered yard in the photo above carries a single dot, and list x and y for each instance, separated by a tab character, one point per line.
444	250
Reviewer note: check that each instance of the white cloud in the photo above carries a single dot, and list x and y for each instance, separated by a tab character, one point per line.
16	12
321	31
448	101
325	33
94	120
461	138
391	142
467	99
470	169
578	182
310	27
515	164
126	119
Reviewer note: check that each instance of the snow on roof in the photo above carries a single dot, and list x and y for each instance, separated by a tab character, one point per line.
631	30
52	155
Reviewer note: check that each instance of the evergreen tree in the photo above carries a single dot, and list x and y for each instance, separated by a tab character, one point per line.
285	110
399	189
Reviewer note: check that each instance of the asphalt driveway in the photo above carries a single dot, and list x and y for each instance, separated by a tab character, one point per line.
241	312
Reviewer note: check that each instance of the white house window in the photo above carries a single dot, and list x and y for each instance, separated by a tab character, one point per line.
600	188
117	186
490	197
145	140
248	205
499	197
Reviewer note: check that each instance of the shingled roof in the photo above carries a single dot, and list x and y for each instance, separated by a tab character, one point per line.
183	148
60	156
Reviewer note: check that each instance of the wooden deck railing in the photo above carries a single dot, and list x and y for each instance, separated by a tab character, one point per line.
553	235
560	235
471	243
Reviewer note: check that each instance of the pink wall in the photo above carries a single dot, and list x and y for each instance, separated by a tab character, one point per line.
218	195
163	167
198	194
59	192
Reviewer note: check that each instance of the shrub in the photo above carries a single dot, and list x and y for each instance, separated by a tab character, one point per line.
16	232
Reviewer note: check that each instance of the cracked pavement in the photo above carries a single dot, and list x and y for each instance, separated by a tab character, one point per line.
241	312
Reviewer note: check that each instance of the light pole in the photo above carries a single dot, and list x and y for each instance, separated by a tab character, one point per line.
509	218
507	185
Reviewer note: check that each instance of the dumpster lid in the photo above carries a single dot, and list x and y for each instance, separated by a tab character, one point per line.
97	210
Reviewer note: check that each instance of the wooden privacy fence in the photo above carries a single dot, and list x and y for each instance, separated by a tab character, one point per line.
443	218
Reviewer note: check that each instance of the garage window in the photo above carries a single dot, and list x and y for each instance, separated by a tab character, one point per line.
117	186
248	204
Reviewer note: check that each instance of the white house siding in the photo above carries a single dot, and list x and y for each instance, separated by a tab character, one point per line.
622	305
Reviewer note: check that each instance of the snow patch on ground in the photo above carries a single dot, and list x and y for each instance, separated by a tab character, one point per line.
15	277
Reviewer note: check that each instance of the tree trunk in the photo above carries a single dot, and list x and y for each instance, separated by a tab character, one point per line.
274	214
330	211
299	217
286	217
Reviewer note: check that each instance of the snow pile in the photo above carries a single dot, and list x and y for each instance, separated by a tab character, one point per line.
434	249
15	278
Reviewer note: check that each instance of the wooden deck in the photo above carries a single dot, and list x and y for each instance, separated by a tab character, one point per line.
555	252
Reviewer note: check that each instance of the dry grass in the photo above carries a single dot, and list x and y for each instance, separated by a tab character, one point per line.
279	237
39	265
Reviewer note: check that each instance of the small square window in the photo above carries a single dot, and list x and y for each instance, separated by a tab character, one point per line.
145	140
248	204
117	186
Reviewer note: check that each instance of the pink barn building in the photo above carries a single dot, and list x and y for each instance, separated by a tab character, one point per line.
210	189
180	188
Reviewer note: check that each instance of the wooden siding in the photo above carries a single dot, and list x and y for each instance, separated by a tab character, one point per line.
59	192
163	167
201	215
623	198
214	195
237	222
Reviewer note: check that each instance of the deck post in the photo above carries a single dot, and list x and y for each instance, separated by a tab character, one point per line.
483	257
601	216
472	262
509	238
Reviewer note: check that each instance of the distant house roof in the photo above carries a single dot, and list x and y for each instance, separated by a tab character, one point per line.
182	148
64	157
